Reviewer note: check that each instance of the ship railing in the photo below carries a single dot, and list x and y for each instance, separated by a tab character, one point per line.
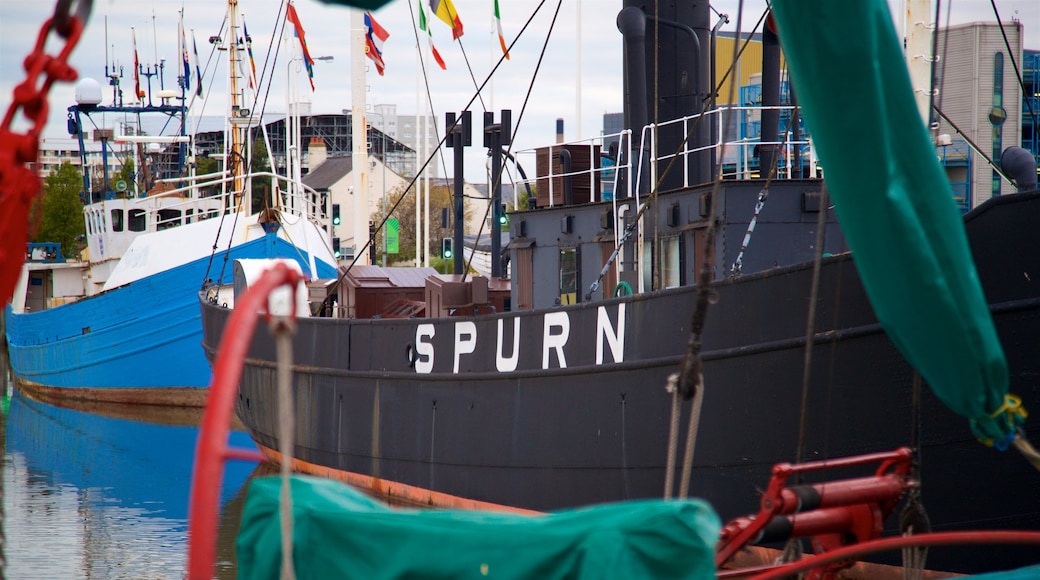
735	147
596	172
576	172
308	203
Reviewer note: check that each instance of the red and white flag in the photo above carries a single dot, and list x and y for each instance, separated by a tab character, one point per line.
138	93
425	25
291	16
375	36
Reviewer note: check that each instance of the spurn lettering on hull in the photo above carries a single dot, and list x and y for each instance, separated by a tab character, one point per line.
556	333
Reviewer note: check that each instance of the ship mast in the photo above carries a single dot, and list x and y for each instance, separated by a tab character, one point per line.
236	157
918	54
359	134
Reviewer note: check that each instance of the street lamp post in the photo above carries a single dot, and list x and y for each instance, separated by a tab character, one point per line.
293	135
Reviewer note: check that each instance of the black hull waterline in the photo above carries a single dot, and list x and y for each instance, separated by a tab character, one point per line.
462	407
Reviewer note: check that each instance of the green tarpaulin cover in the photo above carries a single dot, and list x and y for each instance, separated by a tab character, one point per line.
340	532
894	202
1028	573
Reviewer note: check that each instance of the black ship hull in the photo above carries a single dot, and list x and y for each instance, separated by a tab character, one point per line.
572	408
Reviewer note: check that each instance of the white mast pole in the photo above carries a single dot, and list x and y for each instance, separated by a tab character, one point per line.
426	182
359	156
918	53
424	132
419	158
289	84
577	83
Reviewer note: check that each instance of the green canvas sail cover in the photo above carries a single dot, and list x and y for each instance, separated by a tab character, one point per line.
339	532
895	204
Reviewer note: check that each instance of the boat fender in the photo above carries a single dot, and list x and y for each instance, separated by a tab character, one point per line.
412	355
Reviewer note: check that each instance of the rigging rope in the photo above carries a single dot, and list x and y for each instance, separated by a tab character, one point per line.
674	159
283	327
810	323
673	435
520	117
690	378
332	288
763	195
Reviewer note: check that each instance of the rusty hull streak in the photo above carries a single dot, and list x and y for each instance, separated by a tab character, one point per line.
393	492
157	396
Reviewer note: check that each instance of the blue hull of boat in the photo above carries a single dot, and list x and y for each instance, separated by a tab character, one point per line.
146	334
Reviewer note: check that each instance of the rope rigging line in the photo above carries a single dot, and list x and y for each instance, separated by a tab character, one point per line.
344	271
283	328
688	381
473	77
520	117
763	194
989	161
674	159
810	323
1014	63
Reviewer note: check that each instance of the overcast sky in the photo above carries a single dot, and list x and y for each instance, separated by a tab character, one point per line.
327	28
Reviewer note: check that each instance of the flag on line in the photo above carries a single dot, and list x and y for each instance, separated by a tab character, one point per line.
291	16
445	10
501	37
186	62
198	71
138	93
375	35
249	51
424	25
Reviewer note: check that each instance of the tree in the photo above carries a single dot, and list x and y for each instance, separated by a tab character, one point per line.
207	166
261	185
126	175
62	219
440	198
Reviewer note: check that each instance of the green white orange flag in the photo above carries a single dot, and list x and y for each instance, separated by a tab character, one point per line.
501	37
445	10
425	25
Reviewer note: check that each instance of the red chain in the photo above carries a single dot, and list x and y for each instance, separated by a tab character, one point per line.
19	185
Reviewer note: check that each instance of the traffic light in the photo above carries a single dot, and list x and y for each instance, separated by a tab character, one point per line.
335	248
446	248
335	215
503	219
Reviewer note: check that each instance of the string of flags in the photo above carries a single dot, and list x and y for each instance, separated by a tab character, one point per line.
375	36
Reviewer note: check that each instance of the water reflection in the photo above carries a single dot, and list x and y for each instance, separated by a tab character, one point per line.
102	491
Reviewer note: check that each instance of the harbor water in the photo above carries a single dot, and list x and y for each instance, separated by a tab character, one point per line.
102	491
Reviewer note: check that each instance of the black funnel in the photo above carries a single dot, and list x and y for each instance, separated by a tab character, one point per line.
1020	166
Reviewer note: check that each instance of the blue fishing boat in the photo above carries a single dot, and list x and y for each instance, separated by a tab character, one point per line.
104	488
121	324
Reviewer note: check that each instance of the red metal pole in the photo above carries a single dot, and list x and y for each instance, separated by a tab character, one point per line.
881	545
212	450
